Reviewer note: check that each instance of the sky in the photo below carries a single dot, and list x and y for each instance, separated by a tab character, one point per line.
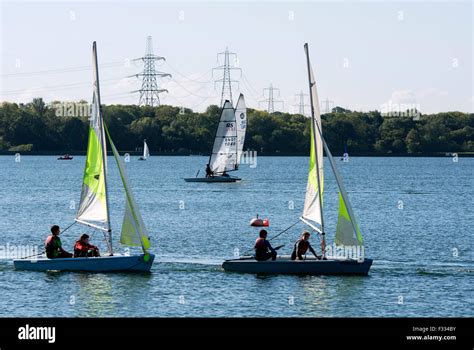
366	55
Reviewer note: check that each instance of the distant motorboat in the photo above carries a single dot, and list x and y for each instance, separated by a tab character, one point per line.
65	157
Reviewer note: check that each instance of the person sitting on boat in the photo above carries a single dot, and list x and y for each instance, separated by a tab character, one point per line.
301	247
209	172
53	245
83	248
225	174
263	248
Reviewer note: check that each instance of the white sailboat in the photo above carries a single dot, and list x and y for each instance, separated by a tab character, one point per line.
228	144
94	210
346	256
146	151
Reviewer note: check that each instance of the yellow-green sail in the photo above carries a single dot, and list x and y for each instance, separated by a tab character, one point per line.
92	206
345	228
312	203
134	232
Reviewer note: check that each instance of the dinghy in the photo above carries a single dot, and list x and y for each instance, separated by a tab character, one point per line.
146	151
283	265
228	144
94	210
346	255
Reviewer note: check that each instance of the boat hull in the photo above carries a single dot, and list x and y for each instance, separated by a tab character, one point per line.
114	263
310	266
213	179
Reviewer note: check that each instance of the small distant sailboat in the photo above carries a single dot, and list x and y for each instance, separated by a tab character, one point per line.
345	155
94	207
348	237
228	144
146	151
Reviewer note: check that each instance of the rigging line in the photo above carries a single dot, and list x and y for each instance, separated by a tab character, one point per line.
280	233
61	70
67	228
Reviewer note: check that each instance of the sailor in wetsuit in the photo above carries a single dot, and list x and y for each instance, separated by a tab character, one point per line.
301	247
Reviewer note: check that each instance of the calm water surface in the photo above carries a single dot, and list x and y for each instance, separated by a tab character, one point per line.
415	214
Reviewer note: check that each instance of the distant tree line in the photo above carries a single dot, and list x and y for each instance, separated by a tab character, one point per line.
36	126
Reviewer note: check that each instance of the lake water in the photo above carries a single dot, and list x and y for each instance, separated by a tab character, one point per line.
415	214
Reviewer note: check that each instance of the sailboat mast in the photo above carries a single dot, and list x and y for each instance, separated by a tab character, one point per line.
313	121
237	161
104	148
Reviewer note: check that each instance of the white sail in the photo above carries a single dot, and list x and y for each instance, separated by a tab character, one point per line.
93	206
241	121
146	151
315	186
134	232
224	151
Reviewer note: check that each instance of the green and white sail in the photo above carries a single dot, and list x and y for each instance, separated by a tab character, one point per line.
347	230
313	210
241	122
134	232
93	206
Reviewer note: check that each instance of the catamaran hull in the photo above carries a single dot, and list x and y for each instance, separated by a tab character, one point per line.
213	179
284	265
116	263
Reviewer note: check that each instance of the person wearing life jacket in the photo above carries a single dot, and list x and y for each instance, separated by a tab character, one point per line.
83	249
263	248
53	245
301	247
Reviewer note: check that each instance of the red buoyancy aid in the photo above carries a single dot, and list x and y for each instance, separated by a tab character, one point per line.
84	247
